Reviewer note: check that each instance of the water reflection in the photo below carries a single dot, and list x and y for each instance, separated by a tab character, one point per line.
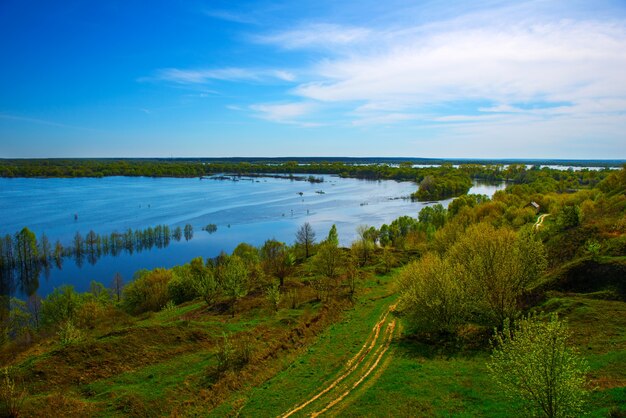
241	211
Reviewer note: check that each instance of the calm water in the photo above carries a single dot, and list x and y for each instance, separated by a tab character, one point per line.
249	210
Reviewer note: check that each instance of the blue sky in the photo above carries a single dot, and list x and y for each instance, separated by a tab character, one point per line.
490	79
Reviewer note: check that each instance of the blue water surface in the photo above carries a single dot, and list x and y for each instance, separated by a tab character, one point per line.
249	210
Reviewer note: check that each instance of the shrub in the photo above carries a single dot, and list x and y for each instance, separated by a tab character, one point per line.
181	288
431	294
531	361
61	305
69	333
12	394
148	292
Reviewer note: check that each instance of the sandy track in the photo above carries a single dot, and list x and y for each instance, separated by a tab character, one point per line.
539	222
353	371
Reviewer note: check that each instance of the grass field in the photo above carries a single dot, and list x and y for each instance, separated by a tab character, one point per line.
350	359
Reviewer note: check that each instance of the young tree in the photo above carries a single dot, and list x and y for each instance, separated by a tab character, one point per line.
531	361
306	238
333	237
235	280
117	285
207	287
328	263
273	295
277	260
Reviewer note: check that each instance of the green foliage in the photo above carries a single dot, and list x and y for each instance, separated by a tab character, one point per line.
69	333
148	291
442	186
207	287
60	306
569	217
531	361
435	215
469	200
182	287
328	261
12	394
235	280
273	295
432	295
277	259
20	321
497	266
593	247
333	237
225	355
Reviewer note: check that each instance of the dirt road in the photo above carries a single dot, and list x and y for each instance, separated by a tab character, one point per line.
355	371
539	222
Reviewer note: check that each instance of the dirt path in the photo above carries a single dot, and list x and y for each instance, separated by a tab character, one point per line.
356	370
539	222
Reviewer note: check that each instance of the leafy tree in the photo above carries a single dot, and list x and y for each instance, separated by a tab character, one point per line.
273	295
61	305
434	215
498	267
431	294
207	287
306	238
235	280
277	260
327	263
148	291
333	237
531	361
569	217
27	250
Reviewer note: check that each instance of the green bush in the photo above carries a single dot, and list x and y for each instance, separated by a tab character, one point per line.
148	291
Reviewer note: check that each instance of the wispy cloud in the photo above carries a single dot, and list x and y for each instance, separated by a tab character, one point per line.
316	35
203	76
230	16
290	113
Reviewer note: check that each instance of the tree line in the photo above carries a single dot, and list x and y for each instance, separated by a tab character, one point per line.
24	256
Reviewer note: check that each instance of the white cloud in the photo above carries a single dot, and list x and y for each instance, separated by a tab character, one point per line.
202	76
290	113
561	62
229	16
316	35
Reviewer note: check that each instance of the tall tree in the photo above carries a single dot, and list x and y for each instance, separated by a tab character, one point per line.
27	251
306	238
117	285
277	260
235	280
333	237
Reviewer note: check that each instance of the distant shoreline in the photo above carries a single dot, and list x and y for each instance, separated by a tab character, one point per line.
346	160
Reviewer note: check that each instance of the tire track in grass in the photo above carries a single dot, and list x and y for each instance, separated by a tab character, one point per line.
353	364
383	349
